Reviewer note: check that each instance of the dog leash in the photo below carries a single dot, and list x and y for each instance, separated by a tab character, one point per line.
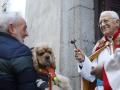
50	71
50	82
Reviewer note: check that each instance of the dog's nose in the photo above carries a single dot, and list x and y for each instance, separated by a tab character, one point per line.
47	57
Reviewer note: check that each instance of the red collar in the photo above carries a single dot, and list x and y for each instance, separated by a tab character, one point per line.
116	34
116	39
50	71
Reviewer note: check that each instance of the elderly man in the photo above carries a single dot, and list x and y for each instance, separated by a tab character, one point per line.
16	68
109	23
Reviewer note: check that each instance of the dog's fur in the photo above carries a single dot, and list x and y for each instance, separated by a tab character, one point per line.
44	55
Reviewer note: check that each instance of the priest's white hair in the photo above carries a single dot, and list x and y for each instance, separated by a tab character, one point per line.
112	13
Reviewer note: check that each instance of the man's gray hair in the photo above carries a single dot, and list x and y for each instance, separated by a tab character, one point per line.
8	18
112	13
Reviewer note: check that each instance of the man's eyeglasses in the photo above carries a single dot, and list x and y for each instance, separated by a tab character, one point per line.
106	21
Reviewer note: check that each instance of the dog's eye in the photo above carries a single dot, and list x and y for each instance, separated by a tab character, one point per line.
40	53
49	52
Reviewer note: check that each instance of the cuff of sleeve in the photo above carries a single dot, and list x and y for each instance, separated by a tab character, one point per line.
86	69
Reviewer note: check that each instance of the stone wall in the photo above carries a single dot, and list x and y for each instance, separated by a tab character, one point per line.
43	18
77	23
1	5
58	22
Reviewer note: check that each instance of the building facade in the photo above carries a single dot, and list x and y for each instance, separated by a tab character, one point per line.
57	22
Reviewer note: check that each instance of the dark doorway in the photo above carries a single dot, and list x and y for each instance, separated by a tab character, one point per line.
113	5
101	5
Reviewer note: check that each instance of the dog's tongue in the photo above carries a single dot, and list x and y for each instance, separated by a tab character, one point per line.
51	72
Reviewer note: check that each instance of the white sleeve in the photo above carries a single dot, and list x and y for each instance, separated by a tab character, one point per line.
84	69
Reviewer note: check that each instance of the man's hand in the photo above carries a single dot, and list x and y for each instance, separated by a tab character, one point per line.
79	55
42	84
97	71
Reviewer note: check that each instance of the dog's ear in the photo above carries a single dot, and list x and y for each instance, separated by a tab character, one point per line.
31	48
54	61
34	57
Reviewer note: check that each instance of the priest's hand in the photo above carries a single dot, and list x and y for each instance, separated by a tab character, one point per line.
97	71
79	55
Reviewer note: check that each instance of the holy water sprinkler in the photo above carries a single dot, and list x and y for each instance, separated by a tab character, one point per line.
73	42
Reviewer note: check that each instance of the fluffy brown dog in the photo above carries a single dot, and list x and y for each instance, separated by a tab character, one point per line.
44	63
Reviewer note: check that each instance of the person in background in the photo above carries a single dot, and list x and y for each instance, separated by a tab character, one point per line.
16	66
109	24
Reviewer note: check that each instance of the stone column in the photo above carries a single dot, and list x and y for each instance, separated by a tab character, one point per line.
77	23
